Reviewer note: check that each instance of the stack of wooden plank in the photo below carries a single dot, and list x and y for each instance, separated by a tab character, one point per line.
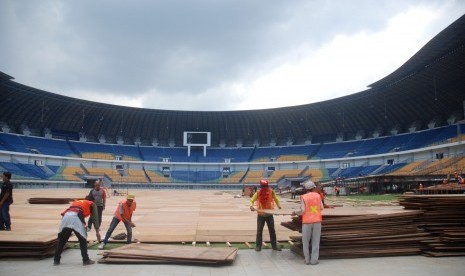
138	253
449	188
24	246
47	200
444	218
369	235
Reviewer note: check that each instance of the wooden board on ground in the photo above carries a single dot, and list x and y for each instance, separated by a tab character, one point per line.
149	253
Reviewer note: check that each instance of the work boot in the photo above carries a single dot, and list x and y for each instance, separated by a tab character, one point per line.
258	248
88	262
101	246
276	248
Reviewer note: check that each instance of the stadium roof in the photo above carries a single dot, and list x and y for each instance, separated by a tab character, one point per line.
429	87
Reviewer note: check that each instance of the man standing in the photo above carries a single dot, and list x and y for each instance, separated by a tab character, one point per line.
6	199
74	221
100	197
265	198
310	209
293	192
123	213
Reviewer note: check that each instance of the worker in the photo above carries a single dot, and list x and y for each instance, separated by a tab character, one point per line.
74	222
293	192
123	213
310	209
265	198
6	199
321	192
100	197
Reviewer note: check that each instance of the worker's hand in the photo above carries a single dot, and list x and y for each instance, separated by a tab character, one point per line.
293	213
132	224
252	208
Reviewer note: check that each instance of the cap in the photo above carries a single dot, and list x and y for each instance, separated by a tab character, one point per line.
263	182
309	185
130	197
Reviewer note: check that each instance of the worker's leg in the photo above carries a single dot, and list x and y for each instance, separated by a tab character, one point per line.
270	224
63	237
6	220
100	213
316	234
113	224
260	225
82	246
2	221
306	234
129	230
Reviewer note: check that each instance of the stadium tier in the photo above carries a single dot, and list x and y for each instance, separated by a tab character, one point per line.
105	157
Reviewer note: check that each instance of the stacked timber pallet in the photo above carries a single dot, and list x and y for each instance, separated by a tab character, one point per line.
449	188
35	246
444	217
138	253
47	200
357	236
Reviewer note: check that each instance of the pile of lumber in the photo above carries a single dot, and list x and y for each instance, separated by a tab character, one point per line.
22	246
47	200
139	253
449	188
444	217
369	235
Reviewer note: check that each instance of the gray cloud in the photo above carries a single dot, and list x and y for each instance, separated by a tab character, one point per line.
181	49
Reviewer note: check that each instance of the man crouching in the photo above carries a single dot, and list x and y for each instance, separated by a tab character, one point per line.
74	221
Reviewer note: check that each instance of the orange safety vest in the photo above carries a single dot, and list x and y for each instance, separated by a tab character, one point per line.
265	199
312	211
84	205
127	211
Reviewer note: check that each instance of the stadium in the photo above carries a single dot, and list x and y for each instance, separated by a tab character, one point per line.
192	174
407	126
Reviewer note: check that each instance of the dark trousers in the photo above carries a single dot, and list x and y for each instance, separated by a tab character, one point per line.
260	224
113	224
100	213
5	221
63	238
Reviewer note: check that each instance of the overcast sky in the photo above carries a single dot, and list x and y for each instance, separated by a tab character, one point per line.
212	54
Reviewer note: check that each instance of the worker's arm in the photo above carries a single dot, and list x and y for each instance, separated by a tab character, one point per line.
276	199
7	194
104	196
302	209
252	200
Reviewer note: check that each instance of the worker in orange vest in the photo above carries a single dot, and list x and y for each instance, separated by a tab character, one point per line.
74	221
265	198
310	209
122	213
